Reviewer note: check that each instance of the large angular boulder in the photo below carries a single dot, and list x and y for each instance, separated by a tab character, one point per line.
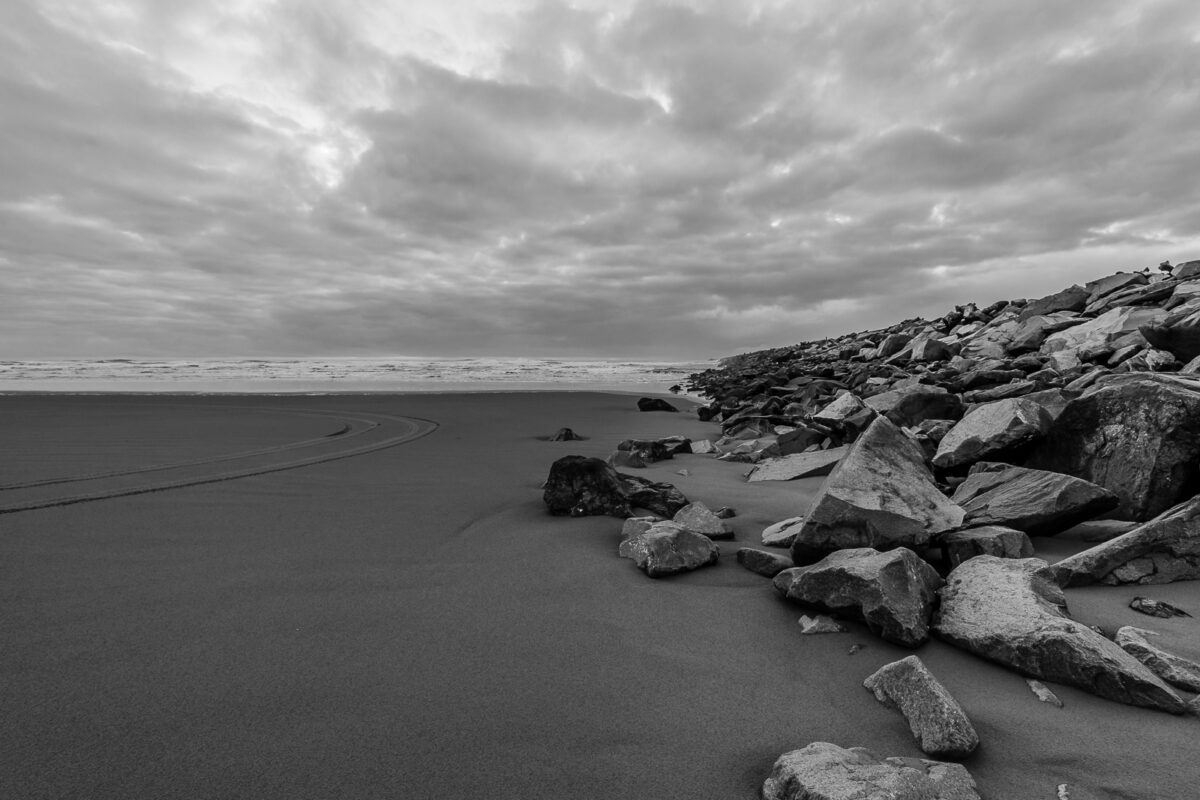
892	592
909	405
879	495
1008	611
1114	283
937	721
1165	549
1037	502
1178	333
667	549
989	540
824	771
1104	329
1173	669
993	428
1138	436
798	465
579	486
1073	298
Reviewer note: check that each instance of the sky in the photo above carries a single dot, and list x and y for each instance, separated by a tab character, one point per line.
666	180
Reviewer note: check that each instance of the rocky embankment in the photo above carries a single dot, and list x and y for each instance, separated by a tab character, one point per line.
946	444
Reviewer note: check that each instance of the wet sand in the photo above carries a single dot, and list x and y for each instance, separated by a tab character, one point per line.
408	622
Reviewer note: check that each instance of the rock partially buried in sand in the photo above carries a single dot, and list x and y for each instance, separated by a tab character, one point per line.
667	549
892	592
662	499
1156	608
697	518
937	721
654	404
760	561
1043	693
989	540
1165	549
579	486
1006	610
1037	502
880	495
782	533
565	435
1173	669
811	625
824	771
798	465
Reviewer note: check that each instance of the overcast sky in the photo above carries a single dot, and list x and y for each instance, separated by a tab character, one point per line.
641	179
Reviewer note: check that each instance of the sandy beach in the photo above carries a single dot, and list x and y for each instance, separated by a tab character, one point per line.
363	596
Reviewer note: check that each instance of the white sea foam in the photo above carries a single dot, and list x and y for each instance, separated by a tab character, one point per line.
394	374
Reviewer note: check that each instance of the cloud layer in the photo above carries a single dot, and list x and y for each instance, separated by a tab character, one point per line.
643	179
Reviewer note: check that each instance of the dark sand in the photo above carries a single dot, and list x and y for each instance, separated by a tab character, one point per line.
410	623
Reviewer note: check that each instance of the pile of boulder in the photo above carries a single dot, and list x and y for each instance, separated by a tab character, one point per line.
945	446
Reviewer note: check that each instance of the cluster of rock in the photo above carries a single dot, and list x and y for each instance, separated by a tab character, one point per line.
945	446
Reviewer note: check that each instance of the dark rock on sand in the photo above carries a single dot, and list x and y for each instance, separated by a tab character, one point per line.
1037	502
892	592
654	404
667	549
1165	549
1008	611
1137	436
565	435
581	486
989	540
661	498
824	771
937	721
1156	608
880	495
763	562
1173	669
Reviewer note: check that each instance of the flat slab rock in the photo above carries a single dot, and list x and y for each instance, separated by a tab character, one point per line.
1010	612
798	465
1165	549
880	495
892	592
937	721
825	771
1173	669
1037	502
667	549
762	562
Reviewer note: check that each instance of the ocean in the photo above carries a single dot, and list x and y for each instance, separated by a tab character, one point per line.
337	375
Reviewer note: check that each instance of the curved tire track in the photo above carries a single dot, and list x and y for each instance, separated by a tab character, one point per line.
379	431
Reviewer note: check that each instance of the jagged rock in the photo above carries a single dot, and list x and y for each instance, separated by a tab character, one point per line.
654	404
661	498
1173	669
782	533
811	625
667	549
893	344
798	465
626	459
937	721
1156	608
581	486
636	525
892	592
649	450
1178	332
824	771
1043	693
1037	502
993	428
1008	611
879	495
1115	282
1073	298
1165	549
989	540
565	435
762	562
1136	436
842	406
909	405
1150	359
698	518
703	447
1104	329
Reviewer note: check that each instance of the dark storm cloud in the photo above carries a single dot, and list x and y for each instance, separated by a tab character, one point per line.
659	179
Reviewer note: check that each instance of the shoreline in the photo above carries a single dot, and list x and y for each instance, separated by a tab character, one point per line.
411	622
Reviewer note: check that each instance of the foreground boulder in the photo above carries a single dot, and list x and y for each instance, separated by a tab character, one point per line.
654	404
1007	611
990	429
824	771
937	721
1037	502
579	486
892	592
1139	437
1171	668
1165	549
880	495
989	540
667	549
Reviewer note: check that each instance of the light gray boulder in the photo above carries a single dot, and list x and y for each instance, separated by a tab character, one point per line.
845	405
1163	550
825	771
892	592
937	721
907	406
811	625
667	549
1037	502
1173	669
880	495
812	464
992	428
782	533
1104	329
698	518
988	540
1008	611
